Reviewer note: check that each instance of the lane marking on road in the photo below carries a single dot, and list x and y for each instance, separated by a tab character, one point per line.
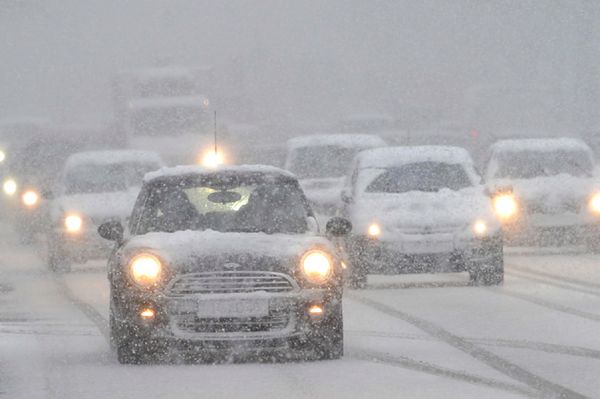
547	304
577	351
88	310
428	368
547	281
548	388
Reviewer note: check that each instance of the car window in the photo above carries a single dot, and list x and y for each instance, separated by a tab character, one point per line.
321	162
422	176
214	205
98	178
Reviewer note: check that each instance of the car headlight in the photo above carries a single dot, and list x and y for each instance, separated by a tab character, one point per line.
317	266
30	198
594	204
73	223
145	269
10	187
505	206
374	230
480	228
2	156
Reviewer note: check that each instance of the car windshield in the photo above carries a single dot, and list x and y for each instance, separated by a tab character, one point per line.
321	162
529	164
228	205
421	176
172	120
99	178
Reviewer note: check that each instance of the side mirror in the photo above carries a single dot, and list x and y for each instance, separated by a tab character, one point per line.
337	226
112	231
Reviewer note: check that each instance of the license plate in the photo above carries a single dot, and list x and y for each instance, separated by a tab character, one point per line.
233	308
427	246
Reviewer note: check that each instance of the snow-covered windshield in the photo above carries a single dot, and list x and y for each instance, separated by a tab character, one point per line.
231	205
167	120
166	87
421	176
100	178
529	164
321	162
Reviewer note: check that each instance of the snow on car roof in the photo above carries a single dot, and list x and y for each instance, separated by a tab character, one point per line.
341	140
396	156
183	170
112	157
546	145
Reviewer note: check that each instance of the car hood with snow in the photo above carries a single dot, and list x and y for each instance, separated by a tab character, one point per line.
200	251
412	212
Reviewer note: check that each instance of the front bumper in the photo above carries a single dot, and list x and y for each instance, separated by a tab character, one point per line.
84	245
537	228
178	321
423	253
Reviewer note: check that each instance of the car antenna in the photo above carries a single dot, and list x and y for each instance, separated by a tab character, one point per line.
215	133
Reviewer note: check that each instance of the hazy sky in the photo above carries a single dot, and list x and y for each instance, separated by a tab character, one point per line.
301	60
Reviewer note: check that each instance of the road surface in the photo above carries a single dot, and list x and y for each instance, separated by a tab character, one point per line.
408	336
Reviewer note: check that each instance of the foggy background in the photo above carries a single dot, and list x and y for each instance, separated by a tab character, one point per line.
305	62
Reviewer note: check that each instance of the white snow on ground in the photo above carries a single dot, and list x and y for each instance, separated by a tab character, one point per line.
406	336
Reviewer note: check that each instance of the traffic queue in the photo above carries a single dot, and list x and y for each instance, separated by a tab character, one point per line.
218	258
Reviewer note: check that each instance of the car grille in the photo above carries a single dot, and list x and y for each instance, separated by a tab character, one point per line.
276	321
230	282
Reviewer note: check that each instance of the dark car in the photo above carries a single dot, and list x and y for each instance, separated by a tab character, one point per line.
223	261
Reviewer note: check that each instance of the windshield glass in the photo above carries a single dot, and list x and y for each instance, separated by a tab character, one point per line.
530	164
322	162
224	205
422	176
94	178
168	87
158	121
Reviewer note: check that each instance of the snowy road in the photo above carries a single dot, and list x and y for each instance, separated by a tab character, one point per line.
432	336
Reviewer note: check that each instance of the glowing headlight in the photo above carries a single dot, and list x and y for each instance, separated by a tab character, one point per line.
145	269
594	204
480	227
73	223
374	230
2	156
317	266
505	206
212	159
10	187
30	198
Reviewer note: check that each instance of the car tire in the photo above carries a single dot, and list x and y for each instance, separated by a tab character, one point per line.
329	339
130	348
592	243
57	260
356	276
491	271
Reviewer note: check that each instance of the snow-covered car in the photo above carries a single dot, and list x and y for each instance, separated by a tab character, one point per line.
221	261
322	161
545	191
95	186
420	209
